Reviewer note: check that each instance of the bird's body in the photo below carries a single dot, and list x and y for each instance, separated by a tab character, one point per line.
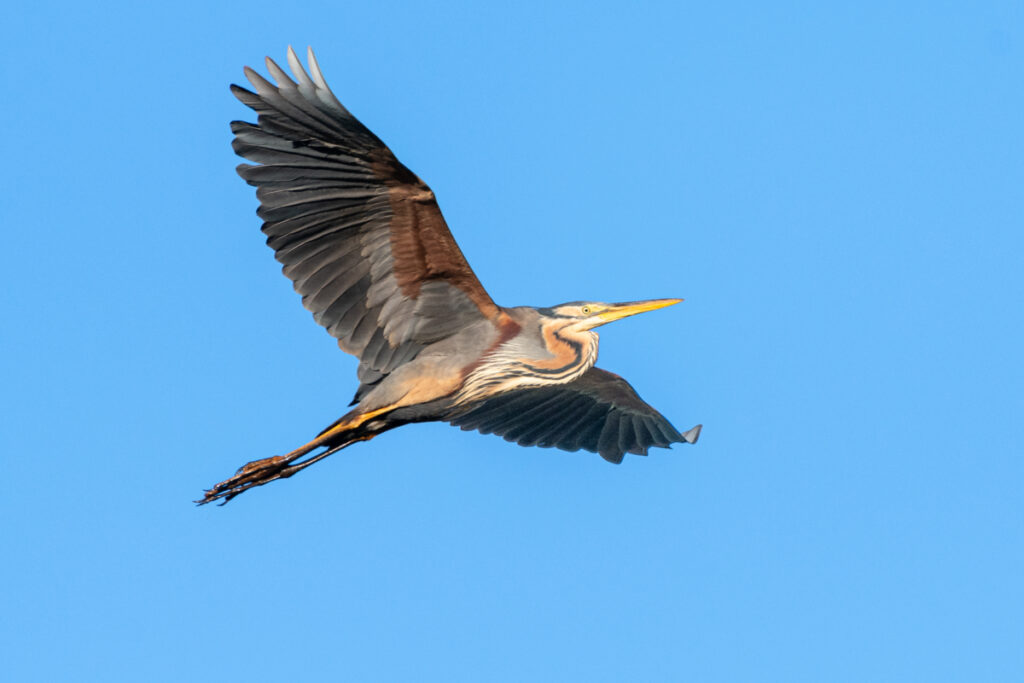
364	242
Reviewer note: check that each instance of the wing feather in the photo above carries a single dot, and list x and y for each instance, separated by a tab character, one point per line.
360	235
599	412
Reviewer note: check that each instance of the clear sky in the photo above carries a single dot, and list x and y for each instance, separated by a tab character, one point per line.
836	191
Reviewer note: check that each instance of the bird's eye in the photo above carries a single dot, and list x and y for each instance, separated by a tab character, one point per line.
585	310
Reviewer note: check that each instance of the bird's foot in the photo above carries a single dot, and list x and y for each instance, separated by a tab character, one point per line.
260	465
255	473
260	472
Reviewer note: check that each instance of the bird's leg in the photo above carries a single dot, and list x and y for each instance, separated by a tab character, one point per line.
256	473
259	472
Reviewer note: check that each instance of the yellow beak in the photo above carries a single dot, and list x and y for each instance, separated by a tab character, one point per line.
619	311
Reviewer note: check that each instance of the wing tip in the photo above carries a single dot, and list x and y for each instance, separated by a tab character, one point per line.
692	434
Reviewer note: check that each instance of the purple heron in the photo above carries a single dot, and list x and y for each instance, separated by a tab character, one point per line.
363	241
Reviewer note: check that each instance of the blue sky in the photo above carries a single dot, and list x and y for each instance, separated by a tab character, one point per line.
835	190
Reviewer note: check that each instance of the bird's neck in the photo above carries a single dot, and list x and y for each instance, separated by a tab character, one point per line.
572	352
556	353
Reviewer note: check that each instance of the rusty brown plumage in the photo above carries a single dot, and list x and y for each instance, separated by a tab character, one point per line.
424	249
363	241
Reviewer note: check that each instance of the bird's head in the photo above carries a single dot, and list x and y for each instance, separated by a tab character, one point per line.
587	315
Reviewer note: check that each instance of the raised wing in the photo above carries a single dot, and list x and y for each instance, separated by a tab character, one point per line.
360	235
599	412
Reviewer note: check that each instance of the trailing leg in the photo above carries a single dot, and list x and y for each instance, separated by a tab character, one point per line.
342	433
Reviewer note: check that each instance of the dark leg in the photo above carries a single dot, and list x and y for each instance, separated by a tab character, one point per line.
258	472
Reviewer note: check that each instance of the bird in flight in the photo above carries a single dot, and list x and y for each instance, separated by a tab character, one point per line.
363	241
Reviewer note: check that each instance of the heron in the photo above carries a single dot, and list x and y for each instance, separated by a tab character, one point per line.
363	241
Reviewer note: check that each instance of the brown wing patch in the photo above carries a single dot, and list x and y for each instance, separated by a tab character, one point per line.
423	248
